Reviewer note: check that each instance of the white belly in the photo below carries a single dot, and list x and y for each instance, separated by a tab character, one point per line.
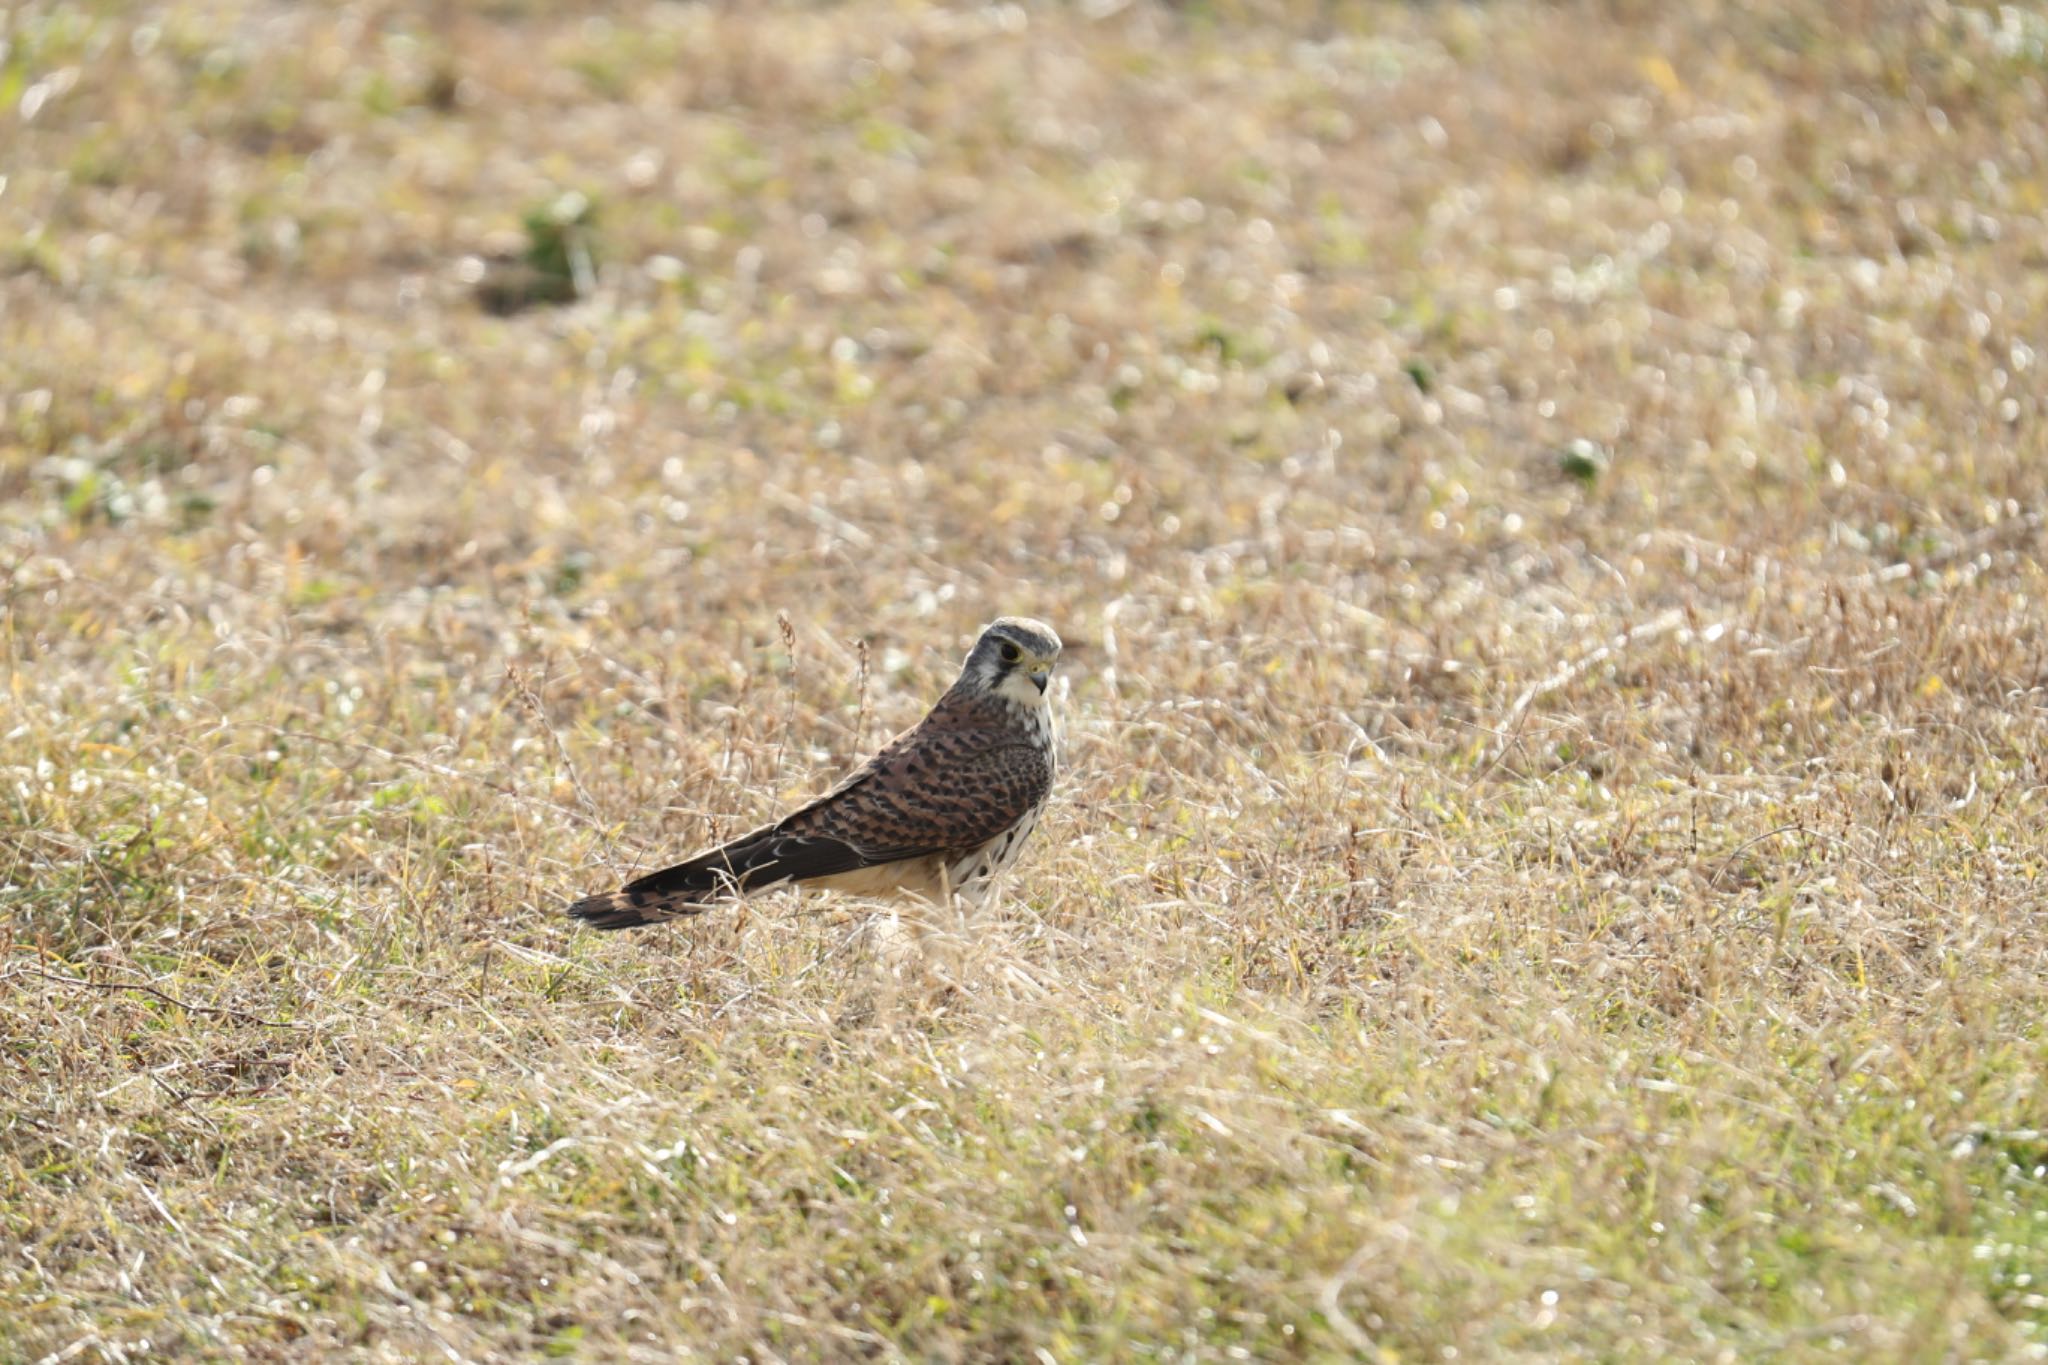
916	877
971	877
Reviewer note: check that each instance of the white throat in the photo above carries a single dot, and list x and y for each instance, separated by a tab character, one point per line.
1020	692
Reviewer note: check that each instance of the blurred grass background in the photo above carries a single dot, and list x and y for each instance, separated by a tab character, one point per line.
1545	504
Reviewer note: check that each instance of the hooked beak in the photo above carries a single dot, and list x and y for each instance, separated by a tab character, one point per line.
1040	676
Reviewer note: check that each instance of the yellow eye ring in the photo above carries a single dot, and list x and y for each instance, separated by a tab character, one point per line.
1011	653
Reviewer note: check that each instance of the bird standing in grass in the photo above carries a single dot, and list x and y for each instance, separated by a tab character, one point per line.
939	812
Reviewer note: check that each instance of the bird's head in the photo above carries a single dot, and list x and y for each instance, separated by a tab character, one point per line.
1012	660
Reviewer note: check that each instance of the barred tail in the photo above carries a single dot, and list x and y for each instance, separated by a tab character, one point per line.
754	862
631	909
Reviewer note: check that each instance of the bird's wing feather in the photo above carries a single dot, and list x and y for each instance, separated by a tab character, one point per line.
959	778
948	795
754	861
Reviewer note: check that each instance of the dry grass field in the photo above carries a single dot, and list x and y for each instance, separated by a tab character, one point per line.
1545	503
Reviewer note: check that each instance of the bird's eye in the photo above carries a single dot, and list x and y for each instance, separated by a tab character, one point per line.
1011	653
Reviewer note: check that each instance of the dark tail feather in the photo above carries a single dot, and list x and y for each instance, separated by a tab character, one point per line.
760	860
630	909
672	893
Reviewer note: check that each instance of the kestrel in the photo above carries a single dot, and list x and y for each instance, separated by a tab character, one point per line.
939	812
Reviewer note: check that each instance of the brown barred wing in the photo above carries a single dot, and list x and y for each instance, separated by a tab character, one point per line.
964	776
954	791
